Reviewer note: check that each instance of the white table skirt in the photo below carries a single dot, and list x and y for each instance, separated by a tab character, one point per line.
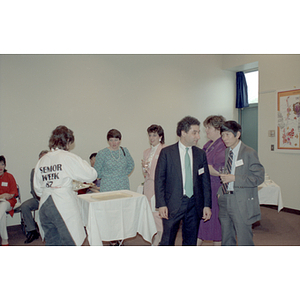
269	193
140	189
116	219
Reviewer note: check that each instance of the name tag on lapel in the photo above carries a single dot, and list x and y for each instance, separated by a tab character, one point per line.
4	184
239	163
200	171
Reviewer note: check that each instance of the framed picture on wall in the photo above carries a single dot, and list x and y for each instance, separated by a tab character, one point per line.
288	121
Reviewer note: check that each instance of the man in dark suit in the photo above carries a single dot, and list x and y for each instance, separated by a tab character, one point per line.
238	197
182	185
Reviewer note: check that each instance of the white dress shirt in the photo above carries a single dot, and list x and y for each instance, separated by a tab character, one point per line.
235	151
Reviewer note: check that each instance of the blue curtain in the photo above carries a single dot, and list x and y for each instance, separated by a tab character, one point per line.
241	91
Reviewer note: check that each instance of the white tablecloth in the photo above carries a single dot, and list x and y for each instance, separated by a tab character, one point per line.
270	193
116	219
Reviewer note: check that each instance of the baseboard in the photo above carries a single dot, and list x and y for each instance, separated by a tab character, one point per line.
285	209
291	210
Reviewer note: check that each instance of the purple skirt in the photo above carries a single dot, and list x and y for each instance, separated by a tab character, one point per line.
211	229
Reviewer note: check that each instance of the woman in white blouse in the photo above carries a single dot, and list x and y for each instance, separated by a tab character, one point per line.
149	161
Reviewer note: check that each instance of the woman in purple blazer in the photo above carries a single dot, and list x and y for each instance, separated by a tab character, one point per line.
149	161
215	153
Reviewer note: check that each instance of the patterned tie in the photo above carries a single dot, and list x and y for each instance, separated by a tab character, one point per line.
188	175
228	170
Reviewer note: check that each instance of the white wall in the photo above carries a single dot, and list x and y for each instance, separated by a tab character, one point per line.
94	93
276	72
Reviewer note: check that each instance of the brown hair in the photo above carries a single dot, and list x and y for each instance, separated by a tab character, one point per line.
2	158
214	121
159	130
114	133
61	137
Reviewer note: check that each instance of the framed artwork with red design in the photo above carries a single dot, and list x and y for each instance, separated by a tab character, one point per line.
288	120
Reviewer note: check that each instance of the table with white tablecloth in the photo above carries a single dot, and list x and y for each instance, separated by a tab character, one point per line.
118	215
269	193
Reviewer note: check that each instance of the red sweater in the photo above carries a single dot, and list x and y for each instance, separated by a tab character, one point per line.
8	185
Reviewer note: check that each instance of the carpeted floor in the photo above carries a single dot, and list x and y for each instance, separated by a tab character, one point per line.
274	229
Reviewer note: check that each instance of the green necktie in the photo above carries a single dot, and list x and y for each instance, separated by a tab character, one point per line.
188	175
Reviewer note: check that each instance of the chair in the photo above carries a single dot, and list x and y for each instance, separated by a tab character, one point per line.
18	204
17	209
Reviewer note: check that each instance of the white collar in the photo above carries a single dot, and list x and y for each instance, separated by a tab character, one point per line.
236	149
154	147
183	147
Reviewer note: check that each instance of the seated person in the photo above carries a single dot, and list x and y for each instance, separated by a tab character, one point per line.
30	205
8	194
96	188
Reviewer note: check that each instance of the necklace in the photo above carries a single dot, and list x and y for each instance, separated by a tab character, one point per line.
116	159
151	155
210	145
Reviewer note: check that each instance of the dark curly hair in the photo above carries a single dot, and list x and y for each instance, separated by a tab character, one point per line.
185	124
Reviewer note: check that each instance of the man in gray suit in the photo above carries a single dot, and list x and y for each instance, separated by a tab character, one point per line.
238	197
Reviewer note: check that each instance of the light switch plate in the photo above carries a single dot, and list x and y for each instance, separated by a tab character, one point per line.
271	133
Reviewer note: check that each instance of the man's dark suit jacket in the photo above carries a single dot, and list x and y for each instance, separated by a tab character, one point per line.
168	180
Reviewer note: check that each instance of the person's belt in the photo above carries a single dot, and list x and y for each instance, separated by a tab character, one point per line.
185	196
228	193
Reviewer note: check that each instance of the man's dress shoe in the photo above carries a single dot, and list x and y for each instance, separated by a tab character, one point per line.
32	235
